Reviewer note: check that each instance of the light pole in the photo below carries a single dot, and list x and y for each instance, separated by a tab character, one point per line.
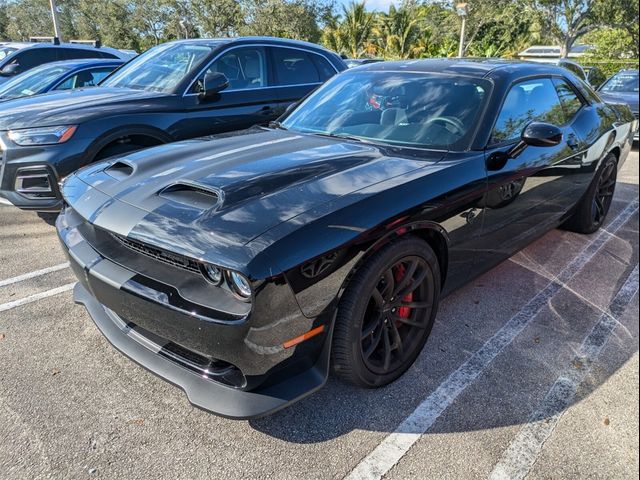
54	16
463	11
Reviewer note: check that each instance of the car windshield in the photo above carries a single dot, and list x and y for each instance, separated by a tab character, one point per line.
162	68
32	81
426	110
6	51
622	82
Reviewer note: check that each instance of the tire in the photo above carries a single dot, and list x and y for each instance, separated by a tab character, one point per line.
368	309
592	209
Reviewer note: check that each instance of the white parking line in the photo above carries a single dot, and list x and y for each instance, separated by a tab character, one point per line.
524	451
397	444
36	296
37	273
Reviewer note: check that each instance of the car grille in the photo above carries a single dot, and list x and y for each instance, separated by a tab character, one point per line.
175	260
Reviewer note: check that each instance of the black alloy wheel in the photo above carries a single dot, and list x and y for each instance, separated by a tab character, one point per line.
591	212
387	313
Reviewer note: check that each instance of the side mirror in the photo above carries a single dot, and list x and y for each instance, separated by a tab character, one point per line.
11	70
537	134
213	84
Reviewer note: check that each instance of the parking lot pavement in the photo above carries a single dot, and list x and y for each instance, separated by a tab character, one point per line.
531	371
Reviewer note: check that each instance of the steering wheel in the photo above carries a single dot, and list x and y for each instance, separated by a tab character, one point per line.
453	121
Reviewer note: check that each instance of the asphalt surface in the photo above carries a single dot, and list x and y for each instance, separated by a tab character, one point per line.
531	371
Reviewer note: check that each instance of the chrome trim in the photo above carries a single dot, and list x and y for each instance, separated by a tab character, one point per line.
263	45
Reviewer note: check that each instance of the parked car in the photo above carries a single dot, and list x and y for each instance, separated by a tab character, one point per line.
356	62
56	76
175	91
241	267
570	65
18	57
595	76
622	88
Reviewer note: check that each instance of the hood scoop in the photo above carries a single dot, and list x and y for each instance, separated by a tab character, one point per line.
193	195
119	170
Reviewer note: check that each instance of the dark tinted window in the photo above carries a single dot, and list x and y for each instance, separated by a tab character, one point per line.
294	67
35	56
576	69
325	69
571	103
74	53
527	101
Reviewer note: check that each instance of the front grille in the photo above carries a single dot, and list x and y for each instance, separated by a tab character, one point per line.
175	260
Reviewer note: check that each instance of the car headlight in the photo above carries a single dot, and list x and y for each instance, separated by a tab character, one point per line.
43	135
240	285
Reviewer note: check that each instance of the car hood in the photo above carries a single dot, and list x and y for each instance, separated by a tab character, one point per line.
202	196
74	106
630	98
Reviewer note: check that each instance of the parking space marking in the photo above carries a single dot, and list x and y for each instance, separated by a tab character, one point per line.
524	451
389	452
36	296
34	274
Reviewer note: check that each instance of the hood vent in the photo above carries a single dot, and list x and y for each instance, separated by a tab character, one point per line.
193	195
119	170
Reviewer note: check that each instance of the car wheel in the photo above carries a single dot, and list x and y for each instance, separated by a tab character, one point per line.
386	314
592	209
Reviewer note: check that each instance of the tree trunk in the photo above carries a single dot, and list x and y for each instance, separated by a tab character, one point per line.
566	44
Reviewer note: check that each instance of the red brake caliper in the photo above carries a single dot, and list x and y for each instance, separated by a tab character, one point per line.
403	312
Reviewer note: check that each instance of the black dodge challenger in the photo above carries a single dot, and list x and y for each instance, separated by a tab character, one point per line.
244	269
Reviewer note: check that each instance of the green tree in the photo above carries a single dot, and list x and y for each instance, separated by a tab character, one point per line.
568	20
217	18
397	33
352	33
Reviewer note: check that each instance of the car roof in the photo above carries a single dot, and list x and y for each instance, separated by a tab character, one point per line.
253	39
86	62
79	46
477	67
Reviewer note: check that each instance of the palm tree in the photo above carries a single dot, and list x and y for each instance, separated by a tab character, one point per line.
355	30
398	32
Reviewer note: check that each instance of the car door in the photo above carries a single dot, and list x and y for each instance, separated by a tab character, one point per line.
249	99
297	72
529	194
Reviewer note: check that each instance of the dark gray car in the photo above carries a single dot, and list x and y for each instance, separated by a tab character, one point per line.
622	88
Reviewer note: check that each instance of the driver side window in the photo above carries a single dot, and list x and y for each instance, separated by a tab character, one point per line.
528	101
245	68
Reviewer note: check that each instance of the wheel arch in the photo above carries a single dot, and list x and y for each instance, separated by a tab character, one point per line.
431	232
154	136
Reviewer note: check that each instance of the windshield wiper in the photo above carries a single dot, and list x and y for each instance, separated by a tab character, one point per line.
339	135
277	124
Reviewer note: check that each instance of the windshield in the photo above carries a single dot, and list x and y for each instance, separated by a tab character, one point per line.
32	81
426	110
5	52
162	68
622	82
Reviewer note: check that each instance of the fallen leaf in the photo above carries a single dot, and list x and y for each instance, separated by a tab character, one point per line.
2	336
607	421
55	372
577	364
137	421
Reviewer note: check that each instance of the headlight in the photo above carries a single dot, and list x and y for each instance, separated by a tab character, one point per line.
240	285
42	136
212	273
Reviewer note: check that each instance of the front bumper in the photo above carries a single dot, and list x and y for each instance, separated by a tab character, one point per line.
170	340
206	394
29	176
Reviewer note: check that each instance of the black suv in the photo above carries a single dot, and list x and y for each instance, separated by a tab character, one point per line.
18	57
178	90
